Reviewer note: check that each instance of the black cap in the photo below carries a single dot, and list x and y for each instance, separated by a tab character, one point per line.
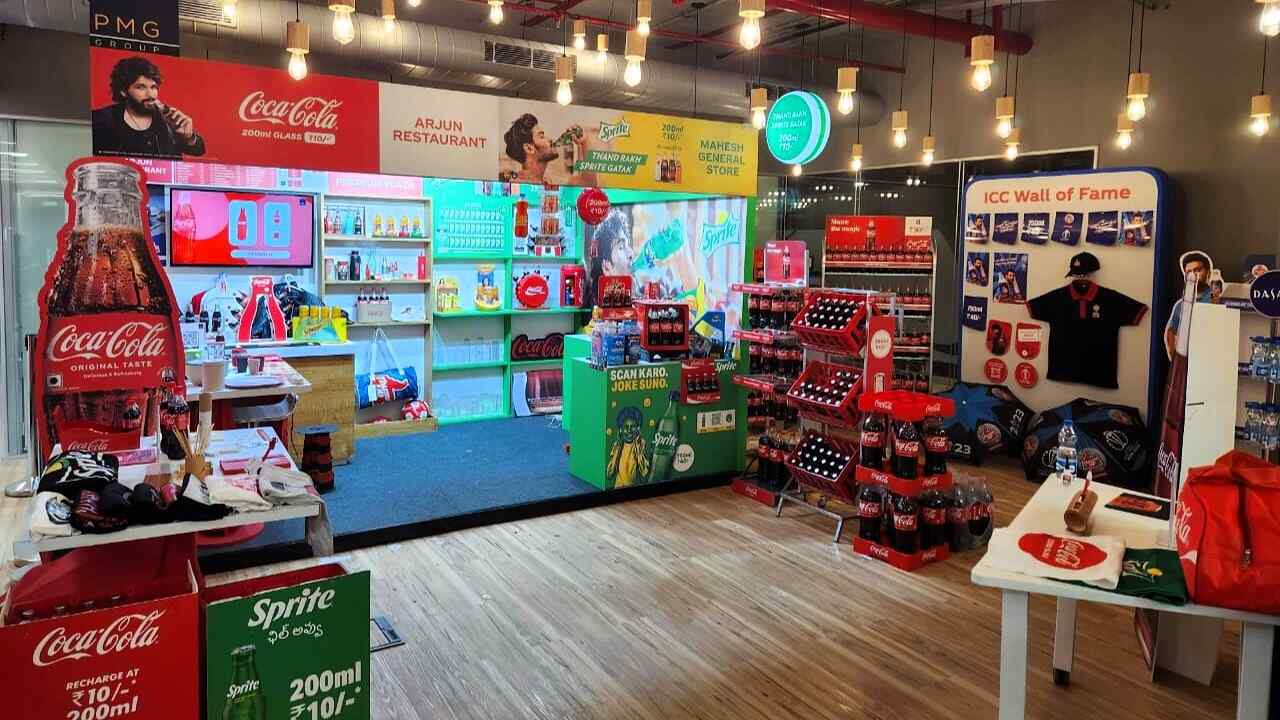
1083	264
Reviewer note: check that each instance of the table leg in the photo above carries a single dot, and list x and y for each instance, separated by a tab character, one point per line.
1013	655
1064	641
1254	689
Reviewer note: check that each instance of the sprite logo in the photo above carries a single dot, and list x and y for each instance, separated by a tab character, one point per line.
266	611
609	131
716	236
664	441
236	690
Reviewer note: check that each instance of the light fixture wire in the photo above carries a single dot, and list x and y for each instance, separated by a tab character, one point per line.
903	77
933	59
862	48
1262	85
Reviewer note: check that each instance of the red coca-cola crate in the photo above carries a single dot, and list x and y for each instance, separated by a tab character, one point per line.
848	338
662	319
837	485
914	487
749	489
699	382
842	413
907	405
137	660
902	561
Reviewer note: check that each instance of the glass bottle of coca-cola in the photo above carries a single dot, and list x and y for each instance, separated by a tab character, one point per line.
906	449
936	446
109	341
871	443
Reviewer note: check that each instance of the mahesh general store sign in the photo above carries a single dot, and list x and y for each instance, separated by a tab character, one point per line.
263	117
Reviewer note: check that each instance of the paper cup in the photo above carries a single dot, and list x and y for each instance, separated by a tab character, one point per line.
214	373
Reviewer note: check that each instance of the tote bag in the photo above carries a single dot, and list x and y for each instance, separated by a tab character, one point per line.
386	379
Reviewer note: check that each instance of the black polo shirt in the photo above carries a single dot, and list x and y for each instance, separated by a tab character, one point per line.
1084	330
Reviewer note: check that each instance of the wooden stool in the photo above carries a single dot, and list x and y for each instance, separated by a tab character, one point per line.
317	459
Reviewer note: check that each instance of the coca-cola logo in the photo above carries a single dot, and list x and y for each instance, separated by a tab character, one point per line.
869	508
1167	464
872	439
1182	524
905	522
310	112
97	445
886	405
935	516
548	347
937	443
1059	552
126	632
1092	459
909	448
989	435
134	340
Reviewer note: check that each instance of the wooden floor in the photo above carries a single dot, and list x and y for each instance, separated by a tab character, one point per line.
704	605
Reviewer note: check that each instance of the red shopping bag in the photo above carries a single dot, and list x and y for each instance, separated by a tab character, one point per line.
1228	532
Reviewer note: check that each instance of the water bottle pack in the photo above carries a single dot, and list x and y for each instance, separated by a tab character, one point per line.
1264	358
1262	424
1065	463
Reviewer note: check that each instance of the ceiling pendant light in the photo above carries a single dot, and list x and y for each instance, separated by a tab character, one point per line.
855	158
750	11
1139	89
1004	115
298	42
229	10
846	86
796	170
644	14
759	103
900	128
389	15
344	30
1260	111
982	53
930	142
495	12
564	78
602	48
1124	131
1011	144
1269	18
415	3
579	35
926	154
634	55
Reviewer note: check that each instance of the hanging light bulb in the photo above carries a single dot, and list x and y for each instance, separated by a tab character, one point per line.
796	170
846	85
602	48
344	31
564	78
750	11
579	35
644	13
855	158
1124	131
982	54
229	10
900	128
1139	90
1004	116
927	150
1269	18
415	3
1011	144
298	42
634	55
1260	111
389	16
495	12
759	102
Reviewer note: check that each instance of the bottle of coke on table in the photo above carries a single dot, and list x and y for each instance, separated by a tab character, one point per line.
906	525
871	443
906	449
936	446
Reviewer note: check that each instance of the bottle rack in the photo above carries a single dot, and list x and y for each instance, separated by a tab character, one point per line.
833	322
904	406
842	456
838	406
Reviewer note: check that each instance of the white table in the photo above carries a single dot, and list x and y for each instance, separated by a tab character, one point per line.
238	443
291	383
1044	512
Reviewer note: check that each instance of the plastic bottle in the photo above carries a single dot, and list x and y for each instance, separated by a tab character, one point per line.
957	518
1260	357
1065	464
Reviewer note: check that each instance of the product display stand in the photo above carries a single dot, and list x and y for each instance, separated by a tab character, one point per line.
905	406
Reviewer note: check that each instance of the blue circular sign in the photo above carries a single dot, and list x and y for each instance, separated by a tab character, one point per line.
1264	293
798	127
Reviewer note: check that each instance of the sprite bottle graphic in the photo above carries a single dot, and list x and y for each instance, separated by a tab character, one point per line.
245	700
665	440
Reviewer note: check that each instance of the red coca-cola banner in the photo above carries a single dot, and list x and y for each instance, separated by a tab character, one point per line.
137	661
549	347
219	112
109	350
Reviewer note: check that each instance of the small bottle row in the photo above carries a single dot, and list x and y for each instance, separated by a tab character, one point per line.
897	256
896	447
765	410
1262	424
773	312
902	380
779	361
958	518
908	295
771	455
1264	358
912	340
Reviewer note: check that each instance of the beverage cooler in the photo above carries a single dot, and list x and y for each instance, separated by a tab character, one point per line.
653	422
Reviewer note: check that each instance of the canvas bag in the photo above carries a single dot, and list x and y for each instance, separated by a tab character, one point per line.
392	382
1228	533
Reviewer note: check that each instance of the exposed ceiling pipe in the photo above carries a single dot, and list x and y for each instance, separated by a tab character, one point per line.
883	17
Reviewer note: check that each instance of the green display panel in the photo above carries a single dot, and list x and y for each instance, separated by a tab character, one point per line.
299	652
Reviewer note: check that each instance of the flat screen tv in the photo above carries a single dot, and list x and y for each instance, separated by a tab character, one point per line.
235	228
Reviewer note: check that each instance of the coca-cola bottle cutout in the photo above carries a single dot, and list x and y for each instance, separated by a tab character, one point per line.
242	228
109	348
184	220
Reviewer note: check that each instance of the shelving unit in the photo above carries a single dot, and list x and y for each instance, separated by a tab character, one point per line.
338	245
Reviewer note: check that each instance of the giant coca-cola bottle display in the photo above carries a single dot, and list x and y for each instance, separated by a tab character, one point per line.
109	354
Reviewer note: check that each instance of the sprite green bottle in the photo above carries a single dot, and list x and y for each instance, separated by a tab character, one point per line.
665	439
244	699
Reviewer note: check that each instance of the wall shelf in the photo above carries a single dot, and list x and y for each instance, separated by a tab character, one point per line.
368	239
456	367
526	363
389	323
367	283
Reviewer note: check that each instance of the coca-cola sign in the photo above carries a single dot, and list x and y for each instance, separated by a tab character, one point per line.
549	347
126	632
311	112
137	339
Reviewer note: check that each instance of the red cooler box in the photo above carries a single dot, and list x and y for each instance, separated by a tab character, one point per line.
137	661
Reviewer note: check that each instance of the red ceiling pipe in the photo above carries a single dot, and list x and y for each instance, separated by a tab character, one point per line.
883	17
687	37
